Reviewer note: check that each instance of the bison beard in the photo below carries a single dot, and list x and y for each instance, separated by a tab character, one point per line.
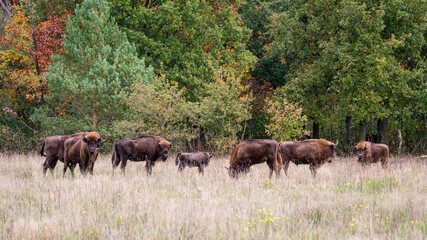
143	148
255	151
368	152
197	159
314	152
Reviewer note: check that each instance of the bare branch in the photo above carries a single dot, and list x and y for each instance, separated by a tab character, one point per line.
5	8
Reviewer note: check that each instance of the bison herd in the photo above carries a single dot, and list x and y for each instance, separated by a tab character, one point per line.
83	149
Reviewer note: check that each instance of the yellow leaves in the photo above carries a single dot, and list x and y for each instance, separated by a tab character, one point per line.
286	120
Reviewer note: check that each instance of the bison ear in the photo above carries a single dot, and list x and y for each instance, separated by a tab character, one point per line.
170	145
85	140
366	147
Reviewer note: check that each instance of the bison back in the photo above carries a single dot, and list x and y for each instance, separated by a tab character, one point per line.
254	151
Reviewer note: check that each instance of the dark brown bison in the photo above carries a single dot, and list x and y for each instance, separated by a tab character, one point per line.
314	152
53	149
254	151
143	148
82	150
193	159
368	152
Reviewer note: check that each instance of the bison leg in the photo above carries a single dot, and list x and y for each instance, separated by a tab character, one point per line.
285	167
52	165
45	166
201	170
313	168
272	165
116	163
124	161
384	163
65	166
72	166
149	166
181	166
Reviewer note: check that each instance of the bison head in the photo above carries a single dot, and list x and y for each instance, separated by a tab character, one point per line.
332	152
164	147
208	157
361	147
94	141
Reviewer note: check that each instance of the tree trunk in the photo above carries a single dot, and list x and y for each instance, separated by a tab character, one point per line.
316	130
94	119
399	134
382	127
348	131
362	131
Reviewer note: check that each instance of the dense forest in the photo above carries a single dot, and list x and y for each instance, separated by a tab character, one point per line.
207	74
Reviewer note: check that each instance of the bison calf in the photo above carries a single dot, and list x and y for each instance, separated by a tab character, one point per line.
196	159
368	152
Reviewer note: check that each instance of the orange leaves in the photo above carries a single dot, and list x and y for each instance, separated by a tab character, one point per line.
17	42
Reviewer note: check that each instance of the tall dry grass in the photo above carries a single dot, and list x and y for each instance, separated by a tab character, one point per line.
343	202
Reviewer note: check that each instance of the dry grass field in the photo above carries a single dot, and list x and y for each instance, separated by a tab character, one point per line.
345	201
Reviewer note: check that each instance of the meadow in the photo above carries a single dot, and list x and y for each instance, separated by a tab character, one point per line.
344	201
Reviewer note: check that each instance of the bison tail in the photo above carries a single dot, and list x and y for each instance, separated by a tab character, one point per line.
115	154
234	155
42	149
279	159
177	159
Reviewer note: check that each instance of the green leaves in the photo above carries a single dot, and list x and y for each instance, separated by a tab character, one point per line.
98	68
349	56
162	109
186	40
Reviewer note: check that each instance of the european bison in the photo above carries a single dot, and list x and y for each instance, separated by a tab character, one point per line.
143	148
194	159
254	151
314	152
53	149
82	150
368	152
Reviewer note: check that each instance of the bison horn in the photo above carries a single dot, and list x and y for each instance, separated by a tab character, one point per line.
336	144
84	135
101	137
227	168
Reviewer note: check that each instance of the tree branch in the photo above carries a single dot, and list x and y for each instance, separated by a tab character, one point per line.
5	8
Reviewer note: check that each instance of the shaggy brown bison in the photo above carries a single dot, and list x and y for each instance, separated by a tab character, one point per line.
82	150
53	149
143	148
368	152
254	151
314	152
193	159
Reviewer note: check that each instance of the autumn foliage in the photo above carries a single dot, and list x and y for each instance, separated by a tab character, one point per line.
21	84
49	35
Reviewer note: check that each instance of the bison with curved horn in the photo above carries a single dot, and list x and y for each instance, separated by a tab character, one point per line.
143	148
82	150
314	152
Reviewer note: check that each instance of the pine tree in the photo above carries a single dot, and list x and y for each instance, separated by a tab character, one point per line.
92	79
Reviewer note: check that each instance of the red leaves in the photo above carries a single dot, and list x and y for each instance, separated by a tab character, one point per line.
49	36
